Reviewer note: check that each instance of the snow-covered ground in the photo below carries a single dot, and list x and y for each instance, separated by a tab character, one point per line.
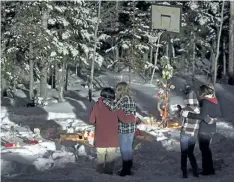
156	160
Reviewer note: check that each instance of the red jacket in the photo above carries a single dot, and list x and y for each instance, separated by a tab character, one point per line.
106	124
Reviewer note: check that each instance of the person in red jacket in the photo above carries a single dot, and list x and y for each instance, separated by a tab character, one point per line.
106	139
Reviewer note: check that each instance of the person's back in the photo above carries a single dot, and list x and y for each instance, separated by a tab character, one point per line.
210	107
106	127
106	138
190	126
188	134
129	107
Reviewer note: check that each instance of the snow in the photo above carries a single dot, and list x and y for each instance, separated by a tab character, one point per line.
53	54
193	5
66	35
158	159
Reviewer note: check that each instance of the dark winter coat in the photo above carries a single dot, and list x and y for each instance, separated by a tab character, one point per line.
106	124
209	108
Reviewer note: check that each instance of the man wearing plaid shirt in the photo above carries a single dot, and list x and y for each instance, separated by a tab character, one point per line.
126	132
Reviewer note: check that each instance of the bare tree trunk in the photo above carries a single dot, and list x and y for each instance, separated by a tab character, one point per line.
44	65
3	85
43	82
94	53
231	41
66	78
129	74
224	60
61	75
3	46
212	51
116	39
173	49
116	52
218	44
133	46
76	69
156	58
182	61
31	80
56	77
151	59
194	53
167	49
145	58
53	76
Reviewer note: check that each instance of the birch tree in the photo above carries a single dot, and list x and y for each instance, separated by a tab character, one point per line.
218	45
44	64
31	80
94	53
61	79
231	41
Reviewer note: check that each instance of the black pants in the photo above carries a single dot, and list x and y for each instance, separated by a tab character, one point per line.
204	145
187	144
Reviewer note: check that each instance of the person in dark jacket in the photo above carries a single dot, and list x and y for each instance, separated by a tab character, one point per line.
188	134
209	113
106	139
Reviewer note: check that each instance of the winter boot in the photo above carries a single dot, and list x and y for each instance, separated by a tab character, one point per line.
130	164
129	172
125	169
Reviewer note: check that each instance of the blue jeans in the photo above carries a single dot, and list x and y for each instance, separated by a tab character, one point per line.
187	144
126	145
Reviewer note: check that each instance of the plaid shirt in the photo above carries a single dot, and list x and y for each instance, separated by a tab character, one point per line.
129	106
191	126
191	99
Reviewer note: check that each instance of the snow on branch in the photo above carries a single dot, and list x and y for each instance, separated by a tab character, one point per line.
112	64
150	65
110	49
103	37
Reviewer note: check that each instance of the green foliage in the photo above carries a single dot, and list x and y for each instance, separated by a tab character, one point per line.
167	69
